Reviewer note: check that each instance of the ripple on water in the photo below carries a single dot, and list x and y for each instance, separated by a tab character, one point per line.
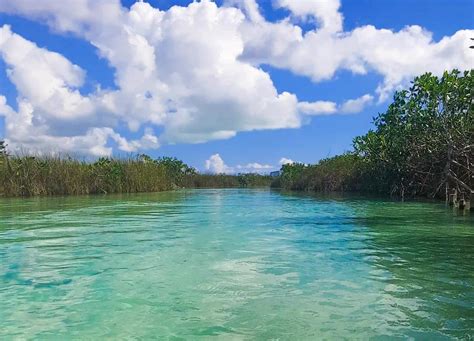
234	264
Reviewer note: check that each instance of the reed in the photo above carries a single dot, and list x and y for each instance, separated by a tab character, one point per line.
56	175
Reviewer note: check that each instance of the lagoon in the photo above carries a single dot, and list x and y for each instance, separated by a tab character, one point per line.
238	264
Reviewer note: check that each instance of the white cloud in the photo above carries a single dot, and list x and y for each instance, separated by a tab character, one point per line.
194	71
317	108
5	109
356	105
177	69
249	7
81	17
350	106
285	161
47	79
216	165
397	56
254	167
49	103
326	12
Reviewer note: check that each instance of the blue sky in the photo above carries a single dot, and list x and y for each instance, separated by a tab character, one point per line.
315	136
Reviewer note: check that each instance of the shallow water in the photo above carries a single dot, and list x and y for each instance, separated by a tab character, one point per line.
234	264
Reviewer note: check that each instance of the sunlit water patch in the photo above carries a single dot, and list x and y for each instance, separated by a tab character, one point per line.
234	264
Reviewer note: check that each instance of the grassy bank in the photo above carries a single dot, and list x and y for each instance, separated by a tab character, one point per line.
422	146
30	176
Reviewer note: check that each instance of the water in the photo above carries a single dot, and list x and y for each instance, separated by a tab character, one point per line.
234	265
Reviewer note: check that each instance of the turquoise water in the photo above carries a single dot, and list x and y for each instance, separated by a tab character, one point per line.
234	265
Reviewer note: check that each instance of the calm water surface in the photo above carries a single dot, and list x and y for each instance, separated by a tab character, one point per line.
234	265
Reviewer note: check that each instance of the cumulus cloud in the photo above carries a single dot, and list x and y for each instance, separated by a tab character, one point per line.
215	164
326	12
177	69
194	72
5	109
397	56
249	7
317	108
350	106
285	161
49	103
29	66
78	16
356	105
254	167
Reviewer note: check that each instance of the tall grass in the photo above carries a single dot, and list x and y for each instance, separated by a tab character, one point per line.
28	176
35	175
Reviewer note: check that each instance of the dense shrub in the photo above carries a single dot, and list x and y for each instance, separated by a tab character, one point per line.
422	145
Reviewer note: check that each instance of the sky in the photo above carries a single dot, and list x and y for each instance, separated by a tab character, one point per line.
227	86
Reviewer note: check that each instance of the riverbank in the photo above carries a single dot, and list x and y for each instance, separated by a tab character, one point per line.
44	176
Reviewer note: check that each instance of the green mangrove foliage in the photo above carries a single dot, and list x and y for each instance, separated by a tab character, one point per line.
423	143
226	181
337	174
421	146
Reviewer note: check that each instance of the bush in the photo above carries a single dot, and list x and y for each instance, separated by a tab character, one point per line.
421	146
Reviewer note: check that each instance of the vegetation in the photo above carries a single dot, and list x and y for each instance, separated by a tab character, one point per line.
29	175
341	173
226	181
422	145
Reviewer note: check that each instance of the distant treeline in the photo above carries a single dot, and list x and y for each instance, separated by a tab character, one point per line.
30	175
423	145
